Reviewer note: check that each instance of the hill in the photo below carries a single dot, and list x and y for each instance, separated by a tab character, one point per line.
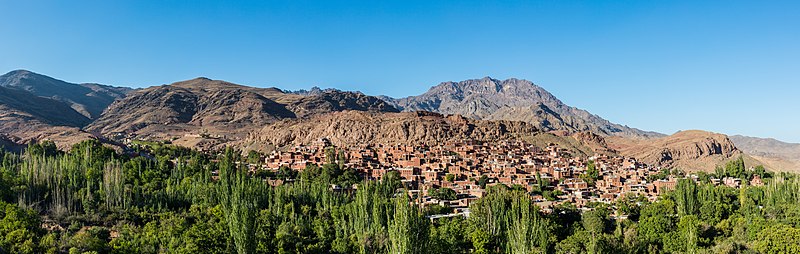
775	153
688	150
26	118
35	107
87	99
203	109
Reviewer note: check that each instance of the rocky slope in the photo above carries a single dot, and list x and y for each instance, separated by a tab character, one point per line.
359	127
87	99
35	107
687	150
27	118
767	147
24	106
335	100
214	108
777	154
593	141
512	99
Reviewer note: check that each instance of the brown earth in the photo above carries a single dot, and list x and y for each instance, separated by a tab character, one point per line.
687	150
205	113
359	127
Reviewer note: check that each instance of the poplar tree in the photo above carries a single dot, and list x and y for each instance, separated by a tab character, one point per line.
240	197
686	197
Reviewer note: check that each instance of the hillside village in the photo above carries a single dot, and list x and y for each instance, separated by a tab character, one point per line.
551	174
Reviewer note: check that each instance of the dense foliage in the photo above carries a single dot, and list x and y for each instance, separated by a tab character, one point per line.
169	199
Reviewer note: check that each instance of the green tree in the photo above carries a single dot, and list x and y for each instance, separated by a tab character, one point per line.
450	177
408	230
656	221
595	223
19	229
449	236
443	193
735	168
778	239
592	174
527	232
240	197
254	157
686	197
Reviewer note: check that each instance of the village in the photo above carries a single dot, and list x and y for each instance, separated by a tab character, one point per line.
551	174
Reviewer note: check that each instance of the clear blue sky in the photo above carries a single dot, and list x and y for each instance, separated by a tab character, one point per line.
724	66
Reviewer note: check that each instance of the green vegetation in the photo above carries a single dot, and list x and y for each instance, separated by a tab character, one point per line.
175	200
443	194
592	174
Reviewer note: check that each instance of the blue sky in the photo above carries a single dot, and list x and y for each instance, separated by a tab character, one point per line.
724	66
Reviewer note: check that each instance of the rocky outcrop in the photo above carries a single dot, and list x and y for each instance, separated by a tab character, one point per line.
8	143
593	141
512	99
359	127
688	150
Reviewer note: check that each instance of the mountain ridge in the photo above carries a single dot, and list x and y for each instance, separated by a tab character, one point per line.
204	107
207	113
512	99
88	99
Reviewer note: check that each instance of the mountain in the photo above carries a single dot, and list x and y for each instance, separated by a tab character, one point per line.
512	99
335	100
204	109
767	147
87	99
205	113
775	153
313	91
687	150
35	107
23	106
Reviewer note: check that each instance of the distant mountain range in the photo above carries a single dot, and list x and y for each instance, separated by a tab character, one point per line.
209	114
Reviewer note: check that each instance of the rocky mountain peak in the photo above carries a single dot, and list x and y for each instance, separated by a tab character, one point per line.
315	90
511	99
